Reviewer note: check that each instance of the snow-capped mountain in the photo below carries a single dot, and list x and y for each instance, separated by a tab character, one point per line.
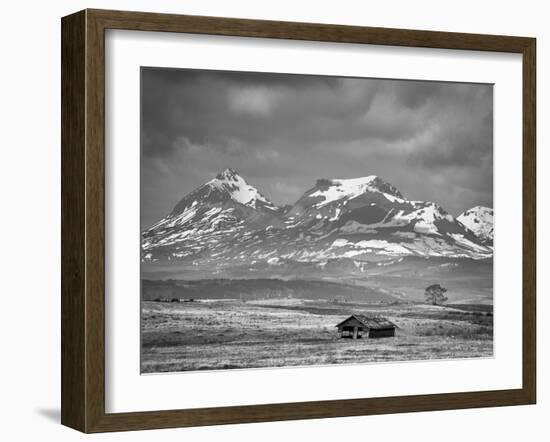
226	186
368	215
227	222
365	204
212	213
479	219
329	197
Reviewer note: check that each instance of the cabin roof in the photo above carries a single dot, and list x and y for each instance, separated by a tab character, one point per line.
372	322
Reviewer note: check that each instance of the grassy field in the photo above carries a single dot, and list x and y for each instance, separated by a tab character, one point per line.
223	334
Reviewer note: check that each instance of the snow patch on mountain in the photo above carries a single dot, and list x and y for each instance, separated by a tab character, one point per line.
422	216
239	190
227	222
371	246
479	219
338	189
459	238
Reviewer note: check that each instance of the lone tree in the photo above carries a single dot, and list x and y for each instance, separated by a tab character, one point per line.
435	294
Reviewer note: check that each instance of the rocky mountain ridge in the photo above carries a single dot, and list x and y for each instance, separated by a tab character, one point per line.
227	222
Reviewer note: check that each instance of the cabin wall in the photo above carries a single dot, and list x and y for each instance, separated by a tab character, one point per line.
351	332
385	333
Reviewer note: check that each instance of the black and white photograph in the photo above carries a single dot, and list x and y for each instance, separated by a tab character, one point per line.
302	220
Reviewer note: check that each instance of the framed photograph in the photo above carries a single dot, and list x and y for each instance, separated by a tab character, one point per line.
269	221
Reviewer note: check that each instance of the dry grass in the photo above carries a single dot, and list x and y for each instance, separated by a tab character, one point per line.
234	334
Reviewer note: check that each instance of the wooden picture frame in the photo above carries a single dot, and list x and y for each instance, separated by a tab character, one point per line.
83	220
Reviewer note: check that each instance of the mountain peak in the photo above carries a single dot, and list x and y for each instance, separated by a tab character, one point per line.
336	189
226	189
479	219
385	187
348	182
230	184
229	174
480	209
337	218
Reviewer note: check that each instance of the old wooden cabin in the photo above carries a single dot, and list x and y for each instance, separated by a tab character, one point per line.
357	326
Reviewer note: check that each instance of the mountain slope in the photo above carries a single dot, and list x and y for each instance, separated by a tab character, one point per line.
226	223
214	212
479	220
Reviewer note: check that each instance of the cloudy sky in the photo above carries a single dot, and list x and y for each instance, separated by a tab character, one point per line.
432	140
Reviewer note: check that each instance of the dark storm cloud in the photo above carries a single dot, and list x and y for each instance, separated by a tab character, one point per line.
432	140
217	107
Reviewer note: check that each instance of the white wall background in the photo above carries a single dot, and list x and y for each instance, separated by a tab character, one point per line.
30	217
